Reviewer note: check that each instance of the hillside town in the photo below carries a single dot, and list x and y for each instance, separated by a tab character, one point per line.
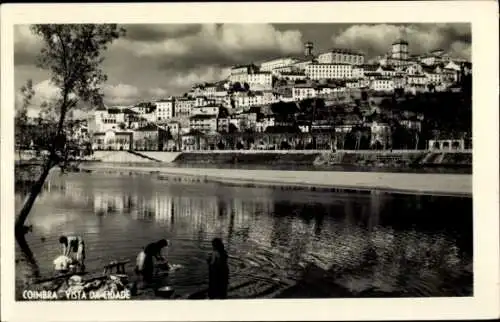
332	100
243	161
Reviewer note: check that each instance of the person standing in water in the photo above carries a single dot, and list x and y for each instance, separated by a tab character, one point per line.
218	271
146	259
74	247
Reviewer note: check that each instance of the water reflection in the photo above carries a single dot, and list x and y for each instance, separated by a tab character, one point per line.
383	241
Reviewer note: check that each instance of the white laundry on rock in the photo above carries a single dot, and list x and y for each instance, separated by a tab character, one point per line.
139	262
62	263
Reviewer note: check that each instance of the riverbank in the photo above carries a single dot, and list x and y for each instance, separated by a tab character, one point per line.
400	160
311	160
325	159
410	183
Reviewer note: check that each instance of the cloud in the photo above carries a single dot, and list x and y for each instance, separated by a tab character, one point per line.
45	92
26	45
205	74
157	32
377	39
157	92
219	45
158	60
460	49
120	94
176	84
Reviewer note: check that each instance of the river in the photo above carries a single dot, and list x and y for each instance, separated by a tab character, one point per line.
405	244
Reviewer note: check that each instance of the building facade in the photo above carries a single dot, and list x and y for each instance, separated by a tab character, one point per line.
341	56
165	110
260	81
329	71
183	106
270	65
303	92
204	123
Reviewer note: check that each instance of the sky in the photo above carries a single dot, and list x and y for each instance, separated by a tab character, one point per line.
154	61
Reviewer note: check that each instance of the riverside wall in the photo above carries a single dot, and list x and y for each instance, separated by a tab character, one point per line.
326	159
316	158
322	159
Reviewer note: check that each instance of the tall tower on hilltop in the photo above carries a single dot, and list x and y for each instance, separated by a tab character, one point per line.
400	46
308	49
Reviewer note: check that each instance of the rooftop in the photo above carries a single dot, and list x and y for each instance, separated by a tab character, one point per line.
147	128
400	42
387	68
277	58
304	60
243	66
293	73
373	74
344	64
370	67
345	51
203	117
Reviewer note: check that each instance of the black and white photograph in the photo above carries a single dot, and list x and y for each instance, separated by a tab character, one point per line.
244	160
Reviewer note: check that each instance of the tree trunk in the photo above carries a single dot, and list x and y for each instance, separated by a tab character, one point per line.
28	204
28	254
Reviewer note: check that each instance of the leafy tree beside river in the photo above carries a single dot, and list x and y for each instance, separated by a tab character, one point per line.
73	55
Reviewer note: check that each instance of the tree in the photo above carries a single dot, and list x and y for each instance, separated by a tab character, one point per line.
341	137
21	119
416	137
72	53
232	128
237	87
358	134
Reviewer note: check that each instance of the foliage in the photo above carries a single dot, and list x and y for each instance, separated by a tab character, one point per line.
72	54
237	87
284	109
22	138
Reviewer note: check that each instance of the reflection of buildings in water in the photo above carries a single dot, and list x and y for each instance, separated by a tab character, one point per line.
244	215
163	208
65	192
145	208
377	200
259	221
109	202
364	210
244	210
349	216
301	232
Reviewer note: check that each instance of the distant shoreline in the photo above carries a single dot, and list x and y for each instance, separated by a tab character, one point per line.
310	160
453	185
413	172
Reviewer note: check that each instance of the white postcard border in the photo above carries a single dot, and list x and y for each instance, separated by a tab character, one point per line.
484	18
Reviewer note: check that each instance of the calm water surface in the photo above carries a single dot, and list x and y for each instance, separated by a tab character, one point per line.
415	245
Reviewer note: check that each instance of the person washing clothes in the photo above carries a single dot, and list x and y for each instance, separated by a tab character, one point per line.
145	263
218	271
74	248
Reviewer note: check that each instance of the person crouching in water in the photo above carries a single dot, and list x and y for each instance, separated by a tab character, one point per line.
145	264
218	271
74	248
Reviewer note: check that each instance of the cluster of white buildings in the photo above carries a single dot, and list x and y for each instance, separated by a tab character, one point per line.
225	105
